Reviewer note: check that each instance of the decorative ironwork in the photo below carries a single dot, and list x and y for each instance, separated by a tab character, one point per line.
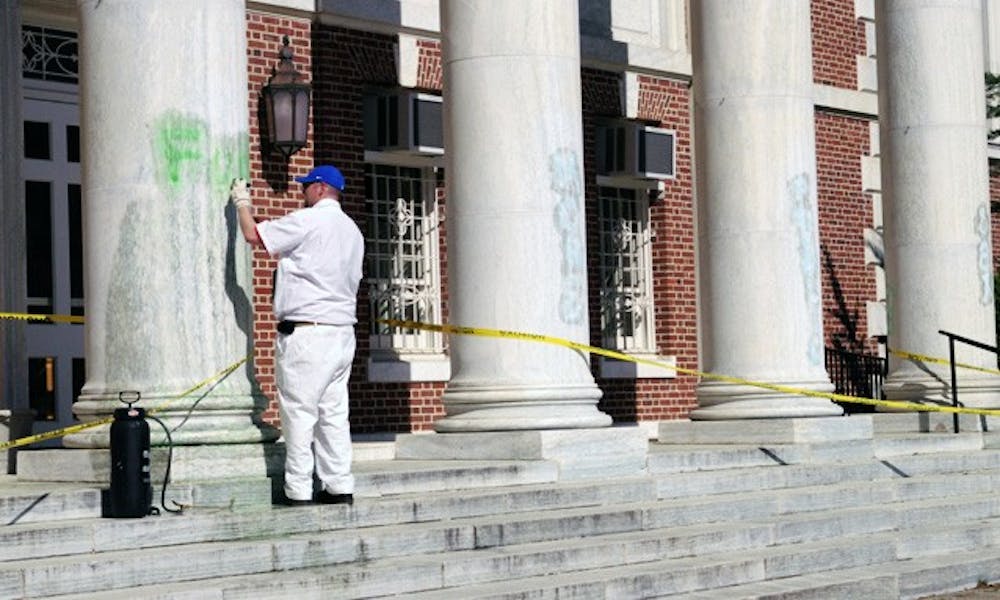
49	54
856	374
626	293
401	219
402	248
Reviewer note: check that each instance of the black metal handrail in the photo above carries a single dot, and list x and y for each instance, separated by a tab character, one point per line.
952	338
855	374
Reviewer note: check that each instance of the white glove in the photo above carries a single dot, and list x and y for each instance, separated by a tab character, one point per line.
239	192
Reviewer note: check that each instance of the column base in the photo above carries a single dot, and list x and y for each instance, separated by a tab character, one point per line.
934	388
14	424
191	421
232	476
516	408
930	422
769	431
725	401
189	463
579	453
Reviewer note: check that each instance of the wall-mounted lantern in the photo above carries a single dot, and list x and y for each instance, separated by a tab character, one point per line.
286	105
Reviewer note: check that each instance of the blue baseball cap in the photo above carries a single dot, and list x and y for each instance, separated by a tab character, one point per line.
328	174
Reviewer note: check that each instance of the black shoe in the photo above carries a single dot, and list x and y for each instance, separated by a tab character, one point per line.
325	497
290	502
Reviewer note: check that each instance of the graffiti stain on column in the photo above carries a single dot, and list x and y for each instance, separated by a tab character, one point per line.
985	254
192	171
180	146
186	154
804	219
565	170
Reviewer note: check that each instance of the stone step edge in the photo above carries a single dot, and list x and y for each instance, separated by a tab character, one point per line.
891	474
373	513
423	479
898	580
724	456
527	548
61	491
950	460
407	506
899	572
320	576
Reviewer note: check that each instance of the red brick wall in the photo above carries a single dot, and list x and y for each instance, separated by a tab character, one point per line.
664	103
844	213
844	210
347	63
273	196
838	38
341	64
429	65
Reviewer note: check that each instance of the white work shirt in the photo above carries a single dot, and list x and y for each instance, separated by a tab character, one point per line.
320	251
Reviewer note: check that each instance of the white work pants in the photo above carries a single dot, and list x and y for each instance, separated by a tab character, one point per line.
313	366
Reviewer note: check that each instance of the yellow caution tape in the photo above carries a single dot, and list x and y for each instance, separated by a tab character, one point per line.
41	318
545	339
942	361
57	433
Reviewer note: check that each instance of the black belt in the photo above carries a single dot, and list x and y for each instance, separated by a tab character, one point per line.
288	327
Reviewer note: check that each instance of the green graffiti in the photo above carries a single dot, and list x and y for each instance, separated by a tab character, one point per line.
179	142
230	158
188	155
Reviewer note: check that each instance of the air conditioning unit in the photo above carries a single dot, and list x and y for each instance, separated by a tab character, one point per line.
408	122
633	150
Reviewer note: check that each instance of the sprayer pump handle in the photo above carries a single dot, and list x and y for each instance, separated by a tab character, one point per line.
129	397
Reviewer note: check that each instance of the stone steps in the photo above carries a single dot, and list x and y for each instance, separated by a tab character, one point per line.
33	540
702	552
674	458
723	521
27	502
576	538
46	502
896	444
905	580
438	577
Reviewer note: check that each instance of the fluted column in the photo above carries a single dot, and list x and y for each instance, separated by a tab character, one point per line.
935	193
516	240
757	219
164	124
14	413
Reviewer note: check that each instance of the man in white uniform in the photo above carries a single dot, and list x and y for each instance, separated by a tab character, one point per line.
320	251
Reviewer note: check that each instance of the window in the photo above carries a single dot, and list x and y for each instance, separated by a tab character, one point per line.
625	257
403	272
38	254
49	54
37	141
42	387
75	248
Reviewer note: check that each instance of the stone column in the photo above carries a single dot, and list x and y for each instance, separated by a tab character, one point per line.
758	242
935	190
165	130
516	238
14	416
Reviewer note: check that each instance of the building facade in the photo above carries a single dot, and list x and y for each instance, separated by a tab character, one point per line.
722	182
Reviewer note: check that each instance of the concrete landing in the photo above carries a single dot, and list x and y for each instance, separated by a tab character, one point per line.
579	453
